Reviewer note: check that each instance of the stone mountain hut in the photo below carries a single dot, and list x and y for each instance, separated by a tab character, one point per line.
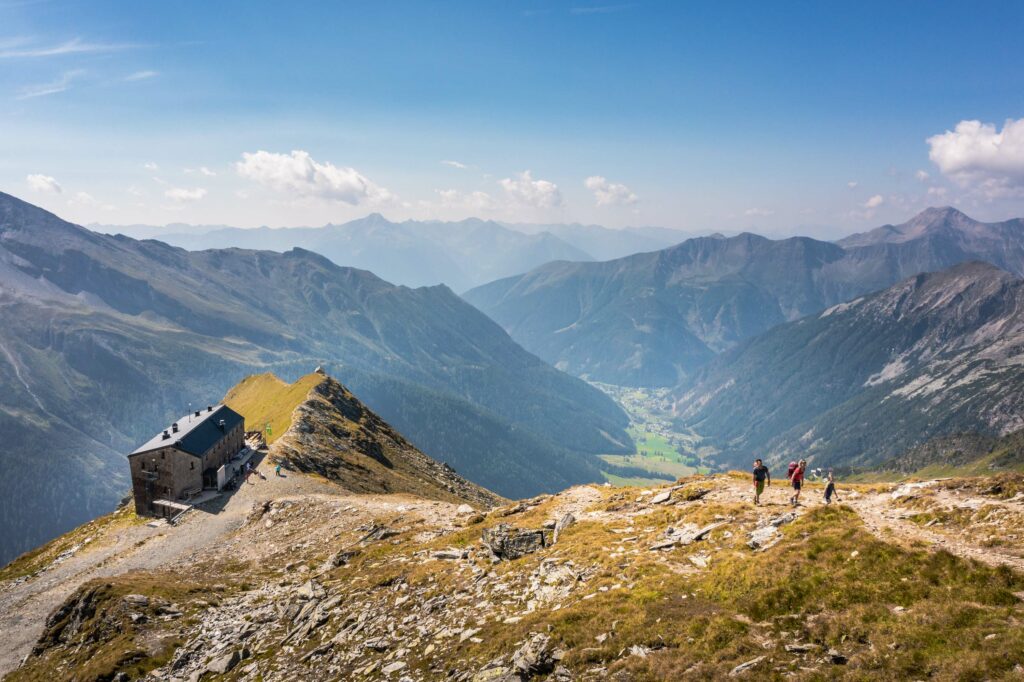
186	458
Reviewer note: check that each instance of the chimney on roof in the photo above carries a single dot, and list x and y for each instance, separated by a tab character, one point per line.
166	436
209	408
197	413
174	427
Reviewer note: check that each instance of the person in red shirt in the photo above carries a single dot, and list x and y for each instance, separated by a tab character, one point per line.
797	479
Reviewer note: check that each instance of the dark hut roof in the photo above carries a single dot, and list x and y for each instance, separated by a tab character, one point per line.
196	434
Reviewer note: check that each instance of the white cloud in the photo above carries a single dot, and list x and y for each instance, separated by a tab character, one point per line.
86	199
609	193
455	164
852	184
202	170
74	46
922	175
874	202
43	183
978	156
759	212
53	87
299	173
183	194
474	201
151	167
141	75
938	192
537	193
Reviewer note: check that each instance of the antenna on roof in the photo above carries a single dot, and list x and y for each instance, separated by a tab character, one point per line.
190	413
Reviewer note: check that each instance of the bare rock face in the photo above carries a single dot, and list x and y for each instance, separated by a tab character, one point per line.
535	657
506	542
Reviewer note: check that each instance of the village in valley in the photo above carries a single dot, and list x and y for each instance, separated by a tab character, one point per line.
662	451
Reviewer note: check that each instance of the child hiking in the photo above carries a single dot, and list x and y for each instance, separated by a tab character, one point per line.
796	478
830	488
761	477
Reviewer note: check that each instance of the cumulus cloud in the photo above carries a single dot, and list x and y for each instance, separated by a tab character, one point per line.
874	202
978	156
185	194
454	164
759	212
474	201
537	193
43	183
922	175
300	174
610	193
852	184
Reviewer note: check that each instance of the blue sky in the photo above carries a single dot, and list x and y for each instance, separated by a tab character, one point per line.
816	118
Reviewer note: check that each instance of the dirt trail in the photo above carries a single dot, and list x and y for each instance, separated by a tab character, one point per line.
884	516
25	605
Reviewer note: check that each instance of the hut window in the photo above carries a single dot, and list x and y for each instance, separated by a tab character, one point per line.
162	455
192	465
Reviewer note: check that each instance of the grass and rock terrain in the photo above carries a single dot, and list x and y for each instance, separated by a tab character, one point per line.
687	580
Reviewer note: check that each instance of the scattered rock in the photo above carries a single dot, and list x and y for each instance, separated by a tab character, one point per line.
744	667
566	521
464	509
662	497
835	657
224	664
450	554
536	656
763	537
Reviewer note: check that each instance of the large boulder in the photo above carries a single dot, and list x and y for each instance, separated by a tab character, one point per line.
506	542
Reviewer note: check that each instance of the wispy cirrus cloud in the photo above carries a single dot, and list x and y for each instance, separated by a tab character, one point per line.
22	48
600	9
51	88
141	76
454	164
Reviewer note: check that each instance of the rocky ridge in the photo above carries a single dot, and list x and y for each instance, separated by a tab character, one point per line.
688	581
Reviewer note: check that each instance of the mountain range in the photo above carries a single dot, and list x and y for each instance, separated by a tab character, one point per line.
104	338
936	354
653	319
459	254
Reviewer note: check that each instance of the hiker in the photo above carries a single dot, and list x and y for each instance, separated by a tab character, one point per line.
830	488
762	477
797	479
277	469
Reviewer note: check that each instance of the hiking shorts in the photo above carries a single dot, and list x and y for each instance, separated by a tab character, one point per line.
796	485
759	487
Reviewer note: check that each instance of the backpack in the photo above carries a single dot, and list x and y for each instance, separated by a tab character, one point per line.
792	468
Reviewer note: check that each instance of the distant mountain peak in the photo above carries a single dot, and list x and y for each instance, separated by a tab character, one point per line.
932	220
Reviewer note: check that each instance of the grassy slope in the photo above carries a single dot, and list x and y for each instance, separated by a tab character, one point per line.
263	399
894	612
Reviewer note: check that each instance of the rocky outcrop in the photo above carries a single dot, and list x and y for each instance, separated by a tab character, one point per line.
334	435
